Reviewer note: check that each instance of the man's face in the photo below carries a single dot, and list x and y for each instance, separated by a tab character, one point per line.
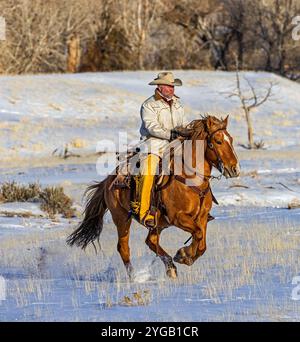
167	91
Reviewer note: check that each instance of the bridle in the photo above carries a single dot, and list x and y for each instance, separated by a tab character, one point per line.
219	165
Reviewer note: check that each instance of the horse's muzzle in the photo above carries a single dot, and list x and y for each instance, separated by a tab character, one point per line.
233	171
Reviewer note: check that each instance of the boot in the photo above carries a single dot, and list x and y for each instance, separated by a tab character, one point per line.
146	218
148	169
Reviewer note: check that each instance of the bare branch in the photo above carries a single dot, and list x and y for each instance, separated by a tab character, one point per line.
254	98
265	98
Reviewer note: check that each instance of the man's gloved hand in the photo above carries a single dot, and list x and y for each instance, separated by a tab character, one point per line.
174	134
180	132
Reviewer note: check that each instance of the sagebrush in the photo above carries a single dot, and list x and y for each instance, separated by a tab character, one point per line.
53	199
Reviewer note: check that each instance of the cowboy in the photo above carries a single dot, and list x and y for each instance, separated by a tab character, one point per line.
163	120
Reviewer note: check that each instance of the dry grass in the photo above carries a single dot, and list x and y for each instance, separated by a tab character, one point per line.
13	192
55	201
8	213
294	204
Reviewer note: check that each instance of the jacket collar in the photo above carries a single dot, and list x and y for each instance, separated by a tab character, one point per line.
158	97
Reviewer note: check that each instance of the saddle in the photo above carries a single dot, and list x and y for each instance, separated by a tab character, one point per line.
128	178
128	167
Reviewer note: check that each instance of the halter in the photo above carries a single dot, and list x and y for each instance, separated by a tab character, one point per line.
220	165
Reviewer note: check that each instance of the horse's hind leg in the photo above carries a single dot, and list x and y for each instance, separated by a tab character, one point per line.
152	241
123	245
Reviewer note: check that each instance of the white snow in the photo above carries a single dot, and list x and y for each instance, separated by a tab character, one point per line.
96	106
22	208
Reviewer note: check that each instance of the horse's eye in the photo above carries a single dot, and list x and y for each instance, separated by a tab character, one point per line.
218	142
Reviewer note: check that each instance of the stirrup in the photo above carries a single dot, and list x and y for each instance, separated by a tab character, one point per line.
151	222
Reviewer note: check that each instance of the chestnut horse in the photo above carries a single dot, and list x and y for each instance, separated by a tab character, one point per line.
184	207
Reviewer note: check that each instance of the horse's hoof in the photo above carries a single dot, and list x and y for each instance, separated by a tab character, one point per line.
182	258
172	273
188	261
130	271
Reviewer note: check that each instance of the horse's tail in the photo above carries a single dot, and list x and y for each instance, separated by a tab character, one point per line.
91	226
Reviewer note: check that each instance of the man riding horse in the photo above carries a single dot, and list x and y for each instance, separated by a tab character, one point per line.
181	205
163	120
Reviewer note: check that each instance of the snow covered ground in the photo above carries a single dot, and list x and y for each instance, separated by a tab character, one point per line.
253	245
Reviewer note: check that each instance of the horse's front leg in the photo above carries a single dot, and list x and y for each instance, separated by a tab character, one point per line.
201	245
187	255
152	241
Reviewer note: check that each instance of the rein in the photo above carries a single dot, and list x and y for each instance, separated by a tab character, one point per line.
200	192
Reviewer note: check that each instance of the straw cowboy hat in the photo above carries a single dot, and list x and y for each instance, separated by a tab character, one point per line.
166	78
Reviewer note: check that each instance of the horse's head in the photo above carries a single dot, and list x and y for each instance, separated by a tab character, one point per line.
219	151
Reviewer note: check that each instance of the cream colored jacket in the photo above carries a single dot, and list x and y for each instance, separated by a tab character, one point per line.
158	118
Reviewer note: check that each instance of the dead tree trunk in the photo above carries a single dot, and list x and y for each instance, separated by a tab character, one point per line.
249	102
74	54
250	128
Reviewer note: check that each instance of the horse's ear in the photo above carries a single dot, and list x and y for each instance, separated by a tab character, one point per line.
209	123
225	121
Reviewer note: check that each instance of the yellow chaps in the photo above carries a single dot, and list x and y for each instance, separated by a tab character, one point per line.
148	169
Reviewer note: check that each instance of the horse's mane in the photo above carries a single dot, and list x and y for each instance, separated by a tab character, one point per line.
200	129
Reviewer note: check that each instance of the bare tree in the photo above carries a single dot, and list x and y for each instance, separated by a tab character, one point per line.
215	35
137	19
250	99
207	24
121	35
149	34
105	39
273	28
238	16
37	34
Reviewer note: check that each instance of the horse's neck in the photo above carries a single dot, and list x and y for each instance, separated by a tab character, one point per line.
207	167
202	169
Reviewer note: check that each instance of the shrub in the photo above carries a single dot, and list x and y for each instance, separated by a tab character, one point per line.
55	201
13	192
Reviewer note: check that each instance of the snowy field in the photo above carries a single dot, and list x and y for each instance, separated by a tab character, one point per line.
252	246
